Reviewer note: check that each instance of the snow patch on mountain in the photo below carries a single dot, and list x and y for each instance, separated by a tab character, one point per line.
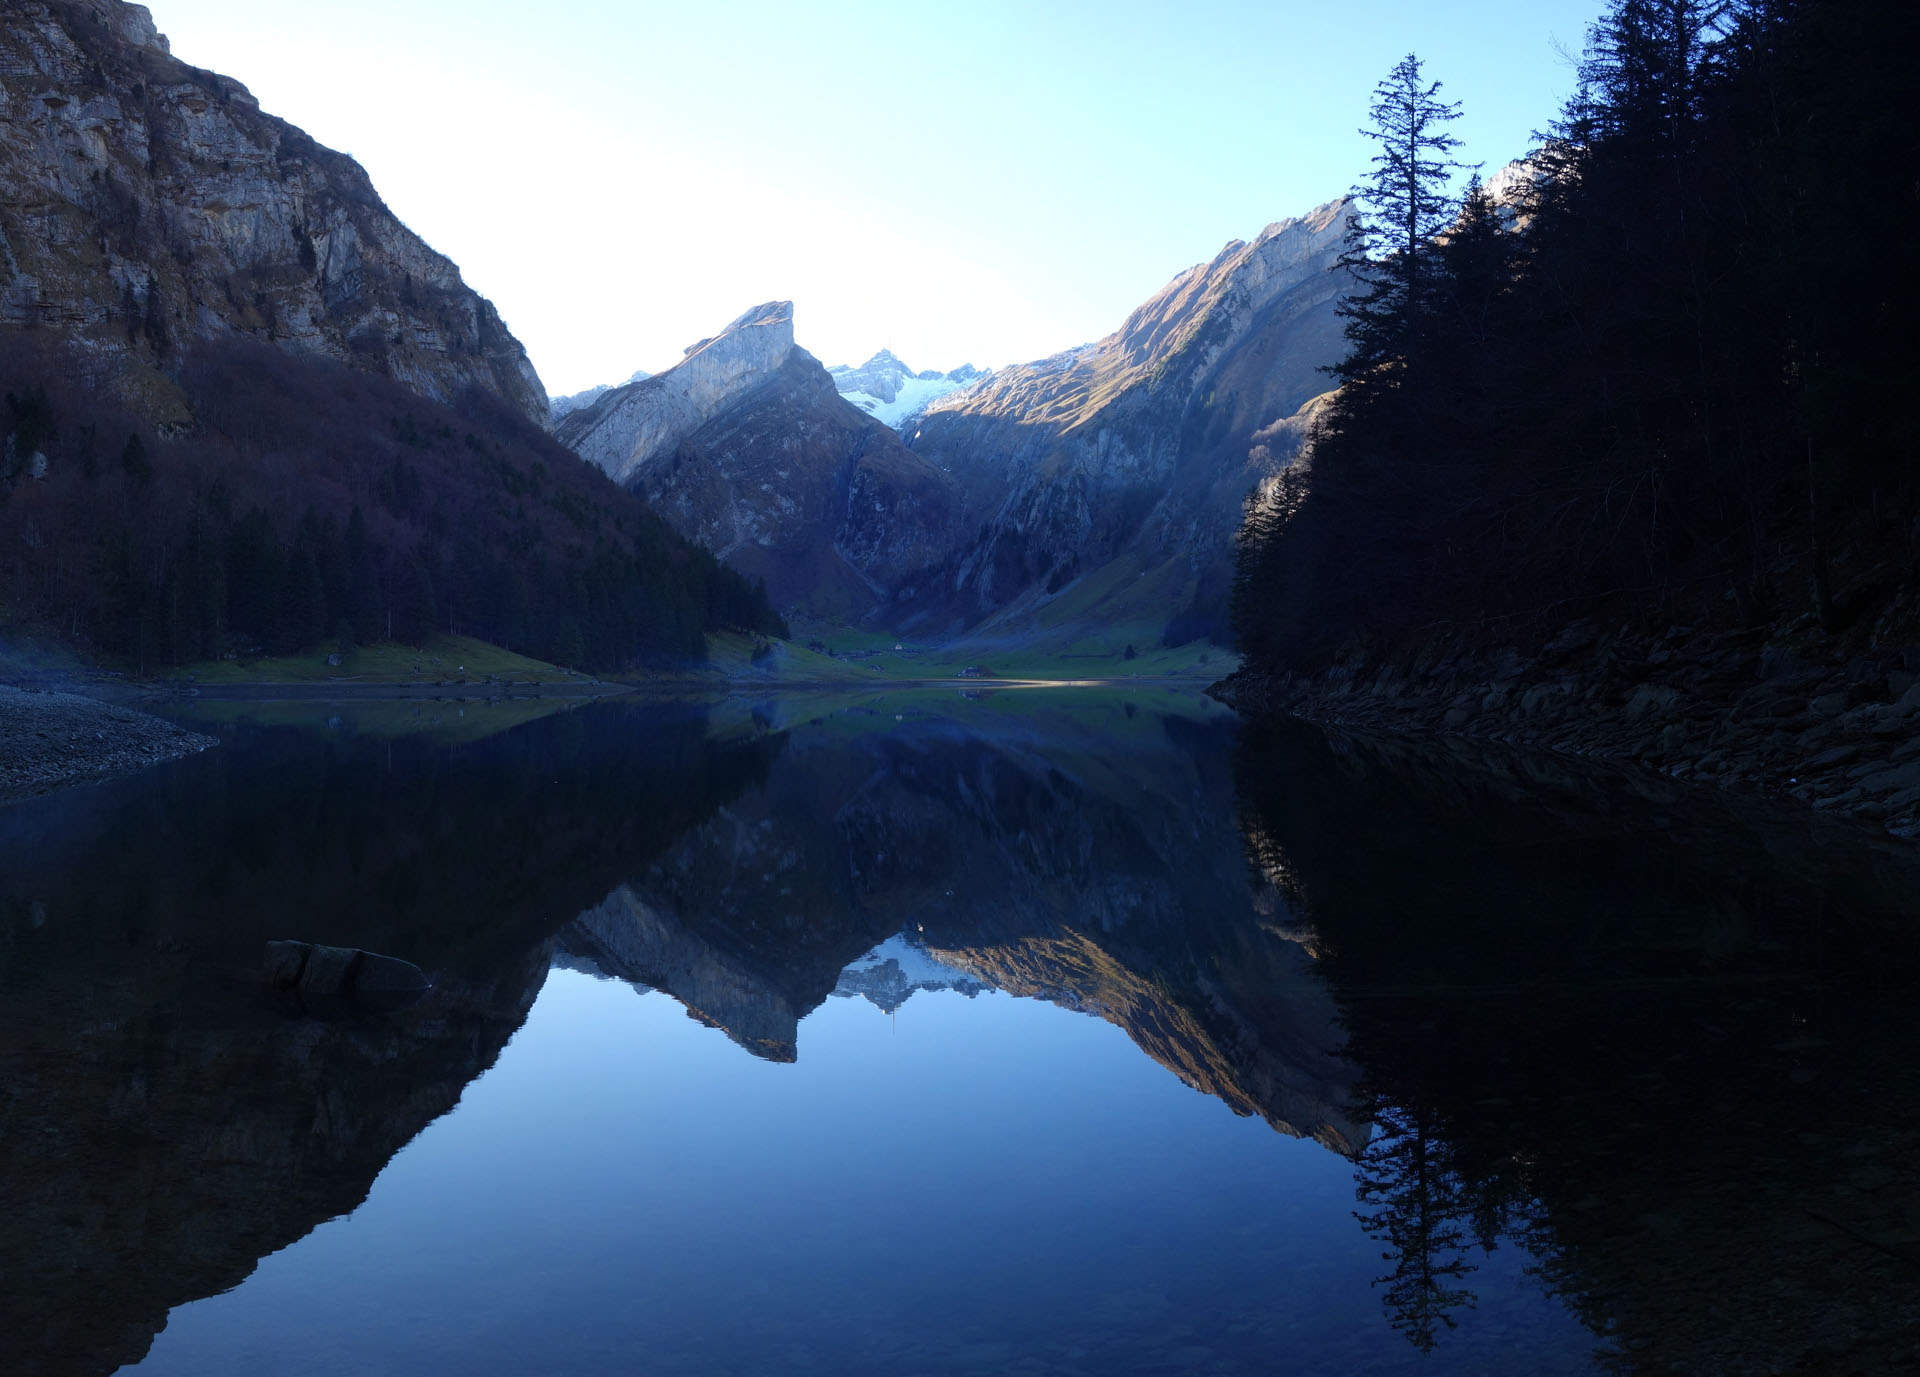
888	390
892	972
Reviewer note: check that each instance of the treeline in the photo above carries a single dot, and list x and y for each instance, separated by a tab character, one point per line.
295	504
1662	377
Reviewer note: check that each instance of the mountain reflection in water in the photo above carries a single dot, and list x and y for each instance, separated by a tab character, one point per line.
1531	1037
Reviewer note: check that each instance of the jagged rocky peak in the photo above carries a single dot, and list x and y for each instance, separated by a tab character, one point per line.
746	447
561	407
632	426
136	25
1512	188
146	205
886	388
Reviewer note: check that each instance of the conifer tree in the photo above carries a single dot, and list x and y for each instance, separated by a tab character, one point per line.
361	602
1399	210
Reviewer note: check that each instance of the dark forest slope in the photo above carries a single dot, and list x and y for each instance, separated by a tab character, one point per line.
310	502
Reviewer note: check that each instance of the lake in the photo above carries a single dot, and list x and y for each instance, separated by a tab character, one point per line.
1046	1031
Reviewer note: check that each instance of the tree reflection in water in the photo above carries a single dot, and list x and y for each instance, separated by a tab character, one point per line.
1661	1037
1413	1201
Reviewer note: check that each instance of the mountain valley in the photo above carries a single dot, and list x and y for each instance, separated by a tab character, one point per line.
1094	493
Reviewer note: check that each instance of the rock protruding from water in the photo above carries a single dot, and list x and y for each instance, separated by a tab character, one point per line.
346	973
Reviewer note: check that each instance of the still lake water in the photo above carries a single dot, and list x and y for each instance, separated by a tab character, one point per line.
1041	1032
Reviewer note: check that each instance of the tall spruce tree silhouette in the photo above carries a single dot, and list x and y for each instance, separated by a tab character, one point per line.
1398	211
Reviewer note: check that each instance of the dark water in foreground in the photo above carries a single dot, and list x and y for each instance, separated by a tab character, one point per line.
1049	1033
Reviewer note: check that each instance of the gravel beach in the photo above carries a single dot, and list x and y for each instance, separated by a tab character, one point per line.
50	739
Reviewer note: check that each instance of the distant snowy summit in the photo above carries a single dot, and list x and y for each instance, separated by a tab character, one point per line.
560	406
889	391
897	969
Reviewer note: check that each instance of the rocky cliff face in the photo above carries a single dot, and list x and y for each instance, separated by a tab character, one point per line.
167	1122
146	204
746	447
1142	445
629	429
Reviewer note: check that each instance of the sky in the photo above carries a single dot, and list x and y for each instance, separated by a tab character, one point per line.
983	182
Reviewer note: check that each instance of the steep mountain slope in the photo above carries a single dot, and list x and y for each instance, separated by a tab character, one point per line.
626	430
1138	448
886	388
746	447
246	410
146	204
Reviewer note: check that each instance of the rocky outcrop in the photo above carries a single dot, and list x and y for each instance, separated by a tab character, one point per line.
887	389
348	974
1142	445
746	447
146	204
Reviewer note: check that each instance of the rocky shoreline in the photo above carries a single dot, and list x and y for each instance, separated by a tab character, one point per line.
438	691
50	739
1737	712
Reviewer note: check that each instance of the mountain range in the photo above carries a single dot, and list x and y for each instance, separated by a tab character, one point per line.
152	216
886	388
927	857
1097	488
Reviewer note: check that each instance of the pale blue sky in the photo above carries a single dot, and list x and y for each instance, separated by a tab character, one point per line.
978	181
